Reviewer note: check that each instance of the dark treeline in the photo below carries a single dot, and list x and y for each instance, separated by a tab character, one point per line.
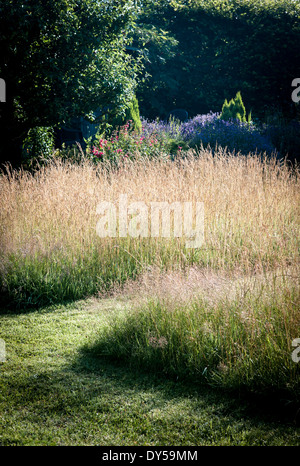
67	58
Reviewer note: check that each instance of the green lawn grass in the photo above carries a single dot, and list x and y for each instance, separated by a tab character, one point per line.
53	391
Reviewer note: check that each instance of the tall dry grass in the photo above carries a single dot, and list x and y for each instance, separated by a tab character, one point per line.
50	249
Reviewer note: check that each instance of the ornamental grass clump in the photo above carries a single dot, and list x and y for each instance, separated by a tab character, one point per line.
50	250
242	341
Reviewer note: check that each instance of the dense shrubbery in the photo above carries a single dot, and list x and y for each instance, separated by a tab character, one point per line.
59	69
234	134
160	138
38	144
284	135
234	109
129	136
171	137
201	51
229	130
211	130
125	143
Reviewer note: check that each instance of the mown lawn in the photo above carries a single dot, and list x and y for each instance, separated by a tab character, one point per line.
55	392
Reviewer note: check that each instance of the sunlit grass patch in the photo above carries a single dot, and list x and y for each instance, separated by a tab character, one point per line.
50	250
242	340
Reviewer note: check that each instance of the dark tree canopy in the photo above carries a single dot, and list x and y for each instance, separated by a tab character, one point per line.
66	58
61	59
220	47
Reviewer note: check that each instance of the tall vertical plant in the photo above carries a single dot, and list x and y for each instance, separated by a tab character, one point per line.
234	109
132	114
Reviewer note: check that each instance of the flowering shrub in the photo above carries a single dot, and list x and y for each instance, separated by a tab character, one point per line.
164	139
235	135
172	138
171	135
211	130
126	143
171	129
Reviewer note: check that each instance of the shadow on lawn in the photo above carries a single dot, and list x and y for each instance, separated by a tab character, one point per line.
13	309
92	389
239	404
89	375
95	373
78	385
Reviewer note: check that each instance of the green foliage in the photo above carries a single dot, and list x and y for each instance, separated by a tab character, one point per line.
63	59
220	46
176	146
239	107
127	142
38	144
234	109
64	278
132	114
226	113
